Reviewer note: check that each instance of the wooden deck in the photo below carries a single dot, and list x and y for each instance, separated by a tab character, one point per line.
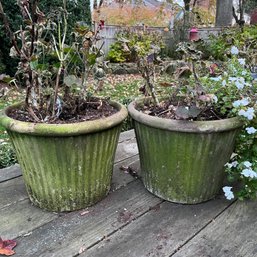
129	222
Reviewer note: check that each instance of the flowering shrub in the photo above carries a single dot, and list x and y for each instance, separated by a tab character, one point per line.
227	91
244	40
7	154
233	91
236	95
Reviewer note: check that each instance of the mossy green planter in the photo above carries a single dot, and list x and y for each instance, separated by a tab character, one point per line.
183	161
66	167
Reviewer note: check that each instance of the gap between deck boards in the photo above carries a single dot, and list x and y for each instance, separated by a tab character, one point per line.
127	241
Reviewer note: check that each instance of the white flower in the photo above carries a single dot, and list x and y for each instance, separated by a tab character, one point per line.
215	98
249	113
229	165
251	130
232	79
228	193
224	83
234	163
247	164
240	83
234	50
249	173
243	102
244	73
241	61
216	78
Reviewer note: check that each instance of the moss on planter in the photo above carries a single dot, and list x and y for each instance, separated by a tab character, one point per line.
183	161
66	166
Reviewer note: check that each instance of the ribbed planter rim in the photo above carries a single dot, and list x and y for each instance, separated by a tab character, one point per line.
63	129
183	125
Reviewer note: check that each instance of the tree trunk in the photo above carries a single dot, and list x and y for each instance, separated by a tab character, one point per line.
224	13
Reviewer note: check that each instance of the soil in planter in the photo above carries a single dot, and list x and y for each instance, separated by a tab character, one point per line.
93	109
167	109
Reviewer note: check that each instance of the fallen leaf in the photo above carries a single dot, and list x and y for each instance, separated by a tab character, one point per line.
166	84
129	170
125	216
6	247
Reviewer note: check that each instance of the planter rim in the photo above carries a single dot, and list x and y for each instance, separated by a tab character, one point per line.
183	125
70	129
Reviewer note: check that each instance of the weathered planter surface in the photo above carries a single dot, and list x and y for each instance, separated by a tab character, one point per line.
183	161
66	166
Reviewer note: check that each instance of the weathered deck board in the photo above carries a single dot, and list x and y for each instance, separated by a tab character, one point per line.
70	234
12	191
232	234
19	219
10	172
160	232
126	149
120	177
127	135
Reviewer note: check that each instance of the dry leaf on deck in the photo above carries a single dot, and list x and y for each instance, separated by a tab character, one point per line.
6	247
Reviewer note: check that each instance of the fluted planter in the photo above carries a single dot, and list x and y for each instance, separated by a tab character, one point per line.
183	161
66	167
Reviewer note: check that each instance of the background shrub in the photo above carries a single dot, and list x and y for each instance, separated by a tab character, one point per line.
79	11
7	155
130	39
245	41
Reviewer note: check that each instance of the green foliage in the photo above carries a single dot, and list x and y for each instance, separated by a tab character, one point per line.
7	154
133	43
230	91
78	11
116	54
48	52
218	47
250	5
12	10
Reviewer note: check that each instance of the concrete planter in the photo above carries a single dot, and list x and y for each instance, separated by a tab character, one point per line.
183	161
66	167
